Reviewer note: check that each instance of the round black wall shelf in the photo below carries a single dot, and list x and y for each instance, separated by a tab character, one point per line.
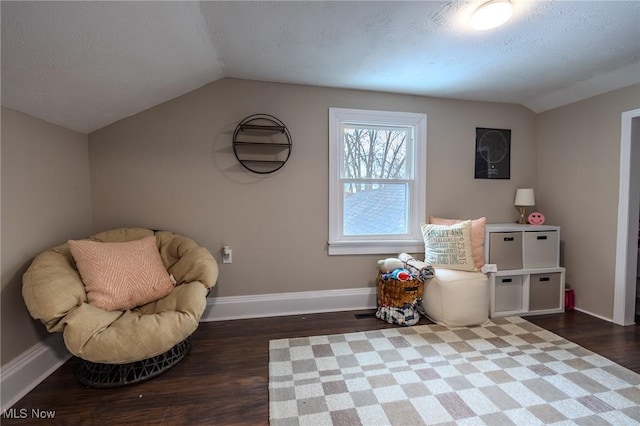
262	143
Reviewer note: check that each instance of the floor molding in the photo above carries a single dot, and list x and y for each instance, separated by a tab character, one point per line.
27	370
280	304
584	311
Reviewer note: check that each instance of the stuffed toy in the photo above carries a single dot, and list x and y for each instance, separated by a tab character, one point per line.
399	274
390	264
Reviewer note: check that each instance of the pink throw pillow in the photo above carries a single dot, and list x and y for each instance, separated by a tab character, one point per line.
121	275
477	236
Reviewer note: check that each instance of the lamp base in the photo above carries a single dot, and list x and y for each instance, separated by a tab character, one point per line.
523	220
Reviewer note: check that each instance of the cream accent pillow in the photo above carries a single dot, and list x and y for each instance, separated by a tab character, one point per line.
121	275
448	246
477	236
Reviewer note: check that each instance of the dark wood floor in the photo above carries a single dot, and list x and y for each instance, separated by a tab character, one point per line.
223	380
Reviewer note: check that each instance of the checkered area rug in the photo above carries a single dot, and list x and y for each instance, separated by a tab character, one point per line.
506	372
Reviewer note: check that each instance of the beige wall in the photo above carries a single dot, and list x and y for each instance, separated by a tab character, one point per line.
45	201
172	167
578	178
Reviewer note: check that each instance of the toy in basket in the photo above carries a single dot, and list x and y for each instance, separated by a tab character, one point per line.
399	295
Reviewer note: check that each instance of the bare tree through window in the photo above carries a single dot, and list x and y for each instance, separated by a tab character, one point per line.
373	155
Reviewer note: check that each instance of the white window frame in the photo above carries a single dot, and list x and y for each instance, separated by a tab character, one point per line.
412	242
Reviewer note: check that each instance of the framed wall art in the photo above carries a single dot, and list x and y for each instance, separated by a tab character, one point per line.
493	153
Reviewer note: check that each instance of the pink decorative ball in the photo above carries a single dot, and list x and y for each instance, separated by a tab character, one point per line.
536	218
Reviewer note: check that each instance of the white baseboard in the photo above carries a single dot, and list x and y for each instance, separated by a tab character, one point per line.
25	372
594	315
280	304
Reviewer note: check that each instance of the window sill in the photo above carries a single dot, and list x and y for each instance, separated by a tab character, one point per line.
375	247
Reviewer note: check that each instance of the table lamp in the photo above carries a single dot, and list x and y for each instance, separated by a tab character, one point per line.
524	198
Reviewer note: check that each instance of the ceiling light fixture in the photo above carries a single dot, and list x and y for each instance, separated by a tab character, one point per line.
491	14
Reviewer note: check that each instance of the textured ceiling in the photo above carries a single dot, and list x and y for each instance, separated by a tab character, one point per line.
84	65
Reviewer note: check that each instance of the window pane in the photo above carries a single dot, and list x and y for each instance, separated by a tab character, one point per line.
374	152
375	209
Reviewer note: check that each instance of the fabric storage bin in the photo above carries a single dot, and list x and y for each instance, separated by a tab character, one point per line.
505	250
544	292
508	294
540	249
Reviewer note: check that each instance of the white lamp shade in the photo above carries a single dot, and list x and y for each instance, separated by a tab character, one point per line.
525	197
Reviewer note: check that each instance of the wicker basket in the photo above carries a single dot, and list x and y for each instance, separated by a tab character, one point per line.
396	293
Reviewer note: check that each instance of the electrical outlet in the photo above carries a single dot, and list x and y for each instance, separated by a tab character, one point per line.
227	254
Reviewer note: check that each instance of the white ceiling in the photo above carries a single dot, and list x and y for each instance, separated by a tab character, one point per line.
84	65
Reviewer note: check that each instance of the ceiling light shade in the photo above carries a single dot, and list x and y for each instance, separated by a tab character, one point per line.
491	14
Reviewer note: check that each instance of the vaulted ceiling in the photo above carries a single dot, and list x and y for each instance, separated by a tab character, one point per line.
84	65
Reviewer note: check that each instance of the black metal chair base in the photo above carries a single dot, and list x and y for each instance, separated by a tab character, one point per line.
115	375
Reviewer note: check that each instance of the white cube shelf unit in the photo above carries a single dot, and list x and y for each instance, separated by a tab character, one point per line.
529	279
